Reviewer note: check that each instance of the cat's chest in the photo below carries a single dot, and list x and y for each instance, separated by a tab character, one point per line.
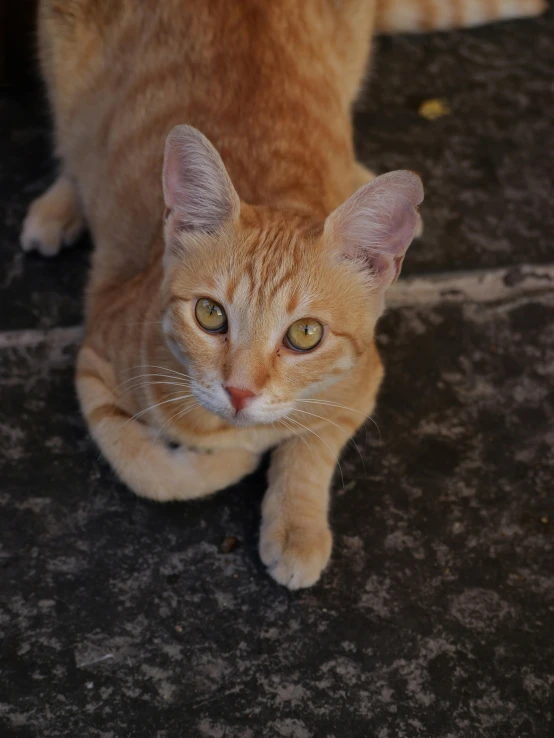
215	435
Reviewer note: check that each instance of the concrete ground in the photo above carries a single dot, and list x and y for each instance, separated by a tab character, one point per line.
123	618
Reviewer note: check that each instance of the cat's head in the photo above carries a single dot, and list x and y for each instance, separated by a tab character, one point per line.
263	308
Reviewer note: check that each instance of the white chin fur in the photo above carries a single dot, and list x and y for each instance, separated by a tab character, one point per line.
248	417
255	414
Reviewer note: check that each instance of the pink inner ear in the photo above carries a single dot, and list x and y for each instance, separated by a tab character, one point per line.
397	264
378	263
382	265
196	186
377	224
171	177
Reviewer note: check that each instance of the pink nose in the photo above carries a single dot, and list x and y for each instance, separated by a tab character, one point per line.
239	397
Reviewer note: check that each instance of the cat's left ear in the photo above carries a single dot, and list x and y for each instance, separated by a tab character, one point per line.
198	193
376	225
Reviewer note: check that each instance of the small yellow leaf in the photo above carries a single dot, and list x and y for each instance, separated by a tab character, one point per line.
436	107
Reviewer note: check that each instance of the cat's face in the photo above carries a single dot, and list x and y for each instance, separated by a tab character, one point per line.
265	309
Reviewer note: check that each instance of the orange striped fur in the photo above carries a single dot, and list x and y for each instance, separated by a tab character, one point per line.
286	225
417	16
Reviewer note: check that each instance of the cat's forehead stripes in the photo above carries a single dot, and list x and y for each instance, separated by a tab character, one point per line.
272	262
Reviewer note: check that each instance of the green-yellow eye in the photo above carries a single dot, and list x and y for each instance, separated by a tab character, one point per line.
211	315
304	334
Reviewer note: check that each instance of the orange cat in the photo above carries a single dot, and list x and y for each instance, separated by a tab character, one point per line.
232	301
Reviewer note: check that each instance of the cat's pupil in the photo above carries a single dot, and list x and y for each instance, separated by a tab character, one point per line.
210	315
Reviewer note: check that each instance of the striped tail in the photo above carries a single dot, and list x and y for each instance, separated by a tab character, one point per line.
419	16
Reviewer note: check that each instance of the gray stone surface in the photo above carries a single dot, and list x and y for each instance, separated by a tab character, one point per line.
123	618
120	618
34	292
487	167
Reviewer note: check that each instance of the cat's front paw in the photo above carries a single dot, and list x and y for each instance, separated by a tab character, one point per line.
295	556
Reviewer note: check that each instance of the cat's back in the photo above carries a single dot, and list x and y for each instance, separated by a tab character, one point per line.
226	57
93	52
121	74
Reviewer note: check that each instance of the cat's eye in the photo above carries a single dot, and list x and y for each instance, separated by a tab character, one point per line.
211	316
304	335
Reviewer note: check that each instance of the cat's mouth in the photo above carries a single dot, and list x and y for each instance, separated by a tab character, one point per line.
258	410
241	419
255	415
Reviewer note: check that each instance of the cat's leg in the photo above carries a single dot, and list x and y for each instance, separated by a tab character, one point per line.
295	538
54	219
363	175
146	464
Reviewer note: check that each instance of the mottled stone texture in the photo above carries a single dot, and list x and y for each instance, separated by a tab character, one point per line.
488	167
121	618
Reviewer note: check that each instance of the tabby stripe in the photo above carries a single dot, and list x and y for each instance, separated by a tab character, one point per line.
102	412
83	374
126	142
284	279
152	79
348	423
349	337
458	13
428	15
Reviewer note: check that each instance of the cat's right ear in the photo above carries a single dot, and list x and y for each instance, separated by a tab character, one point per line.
375	226
198	193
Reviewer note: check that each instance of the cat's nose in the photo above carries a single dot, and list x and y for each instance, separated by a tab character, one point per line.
239	397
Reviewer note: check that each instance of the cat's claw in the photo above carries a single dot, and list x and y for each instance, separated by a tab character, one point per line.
295	557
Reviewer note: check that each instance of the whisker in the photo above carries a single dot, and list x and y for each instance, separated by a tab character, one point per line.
321	417
165	394
288	427
345	407
351	440
332	404
158	404
378	429
145	380
155	366
154	374
186	410
322	441
137	415
150	384
180	413
159	374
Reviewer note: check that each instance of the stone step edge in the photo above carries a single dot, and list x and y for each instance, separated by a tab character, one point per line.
486	286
